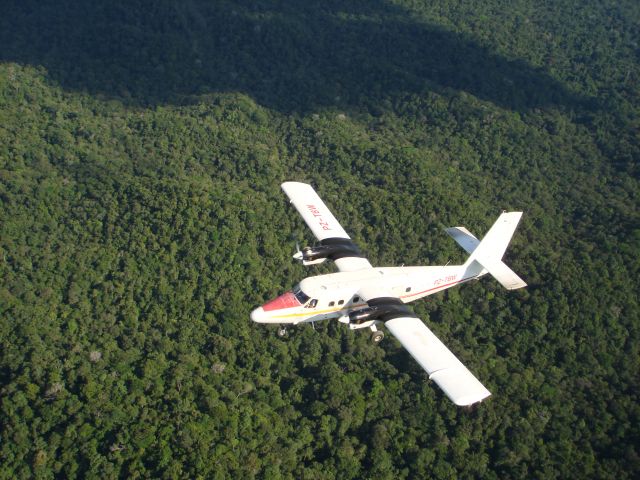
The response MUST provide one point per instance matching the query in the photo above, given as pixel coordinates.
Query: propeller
(298, 254)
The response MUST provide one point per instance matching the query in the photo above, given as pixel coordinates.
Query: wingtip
(292, 183)
(516, 285)
(511, 214)
(469, 400)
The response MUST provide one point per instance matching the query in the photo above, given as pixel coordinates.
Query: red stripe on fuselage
(436, 288)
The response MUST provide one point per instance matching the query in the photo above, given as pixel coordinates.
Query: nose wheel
(282, 331)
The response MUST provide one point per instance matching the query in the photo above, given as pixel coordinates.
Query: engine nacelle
(382, 309)
(364, 315)
(313, 262)
(311, 255)
(332, 248)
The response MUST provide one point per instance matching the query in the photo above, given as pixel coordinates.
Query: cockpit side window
(300, 295)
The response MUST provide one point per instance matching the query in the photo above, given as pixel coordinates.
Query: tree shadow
(288, 56)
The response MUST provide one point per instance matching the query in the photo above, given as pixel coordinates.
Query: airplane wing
(322, 222)
(457, 382)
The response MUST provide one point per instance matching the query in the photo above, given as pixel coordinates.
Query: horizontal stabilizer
(464, 238)
(503, 274)
(455, 380)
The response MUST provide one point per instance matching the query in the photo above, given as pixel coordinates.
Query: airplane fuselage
(335, 295)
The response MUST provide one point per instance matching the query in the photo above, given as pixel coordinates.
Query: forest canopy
(142, 146)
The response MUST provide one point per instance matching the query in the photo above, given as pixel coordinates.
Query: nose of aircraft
(258, 315)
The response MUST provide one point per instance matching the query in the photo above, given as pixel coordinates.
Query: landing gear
(376, 337)
(282, 331)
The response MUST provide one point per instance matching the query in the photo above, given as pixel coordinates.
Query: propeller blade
(298, 254)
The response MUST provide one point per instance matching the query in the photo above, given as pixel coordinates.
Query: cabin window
(300, 295)
(356, 299)
(408, 289)
(331, 304)
(340, 302)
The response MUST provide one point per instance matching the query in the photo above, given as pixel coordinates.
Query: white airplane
(363, 296)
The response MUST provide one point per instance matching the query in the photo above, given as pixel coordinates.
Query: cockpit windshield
(300, 295)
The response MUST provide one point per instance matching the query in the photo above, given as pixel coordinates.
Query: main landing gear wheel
(376, 337)
(282, 331)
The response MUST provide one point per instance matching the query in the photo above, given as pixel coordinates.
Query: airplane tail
(487, 254)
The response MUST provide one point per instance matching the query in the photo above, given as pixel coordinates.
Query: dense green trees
(141, 151)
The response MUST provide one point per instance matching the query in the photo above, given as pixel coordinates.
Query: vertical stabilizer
(495, 242)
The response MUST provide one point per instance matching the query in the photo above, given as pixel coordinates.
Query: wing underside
(322, 223)
(457, 382)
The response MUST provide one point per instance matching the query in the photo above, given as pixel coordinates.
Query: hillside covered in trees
(142, 145)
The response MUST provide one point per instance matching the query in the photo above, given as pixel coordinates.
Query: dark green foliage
(141, 151)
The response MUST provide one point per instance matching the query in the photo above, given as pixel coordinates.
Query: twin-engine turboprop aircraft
(363, 296)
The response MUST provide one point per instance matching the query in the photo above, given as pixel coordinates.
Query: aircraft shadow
(294, 57)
